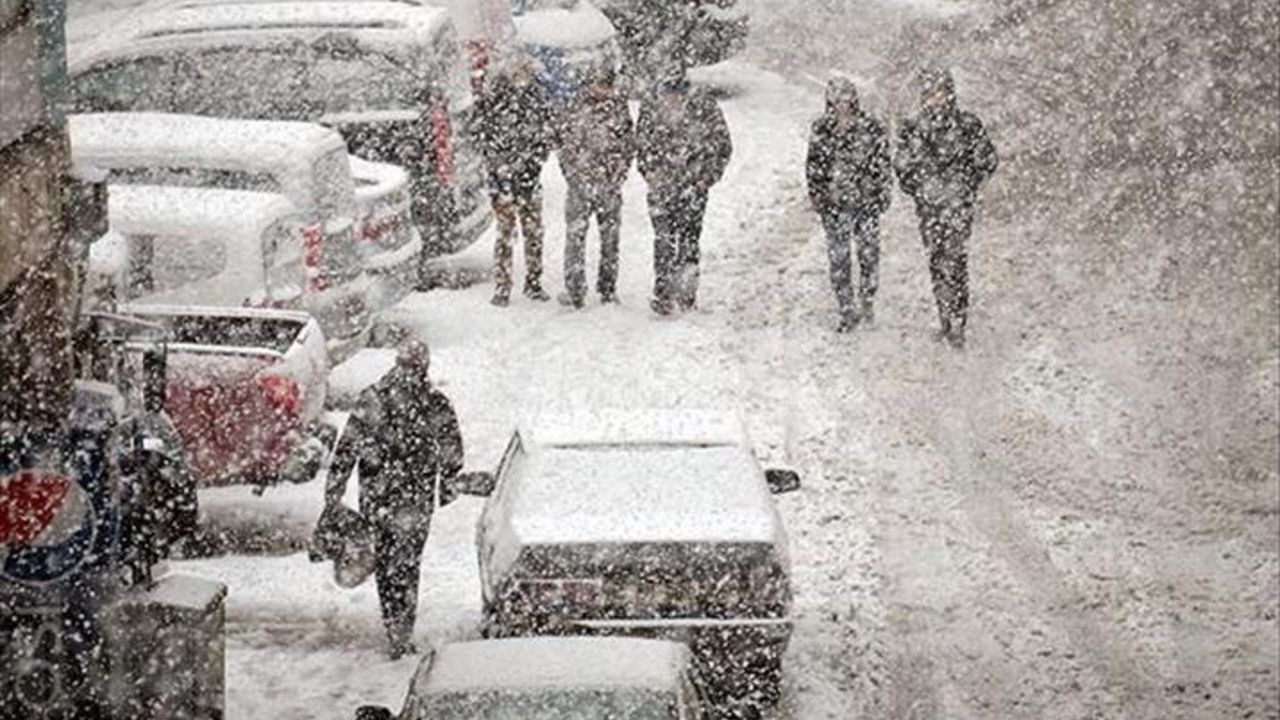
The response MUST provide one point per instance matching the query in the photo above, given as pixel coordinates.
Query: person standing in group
(404, 439)
(943, 157)
(513, 129)
(847, 169)
(683, 148)
(596, 144)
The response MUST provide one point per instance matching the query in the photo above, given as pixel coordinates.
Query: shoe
(688, 303)
(609, 298)
(570, 300)
(400, 649)
(501, 298)
(868, 313)
(661, 307)
(848, 322)
(956, 338)
(534, 291)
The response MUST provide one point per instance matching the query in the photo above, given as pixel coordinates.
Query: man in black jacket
(404, 439)
(848, 174)
(513, 129)
(683, 148)
(596, 144)
(943, 158)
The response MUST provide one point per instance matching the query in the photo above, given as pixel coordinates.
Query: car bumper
(730, 634)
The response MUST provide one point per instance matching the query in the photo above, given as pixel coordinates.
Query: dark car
(650, 524)
(388, 76)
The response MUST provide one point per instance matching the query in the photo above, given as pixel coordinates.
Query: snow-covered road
(1022, 530)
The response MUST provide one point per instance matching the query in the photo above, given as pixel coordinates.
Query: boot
(868, 313)
(533, 290)
(571, 300)
(661, 306)
(501, 297)
(848, 321)
(608, 297)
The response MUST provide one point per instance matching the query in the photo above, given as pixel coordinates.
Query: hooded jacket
(847, 167)
(944, 155)
(684, 145)
(596, 141)
(514, 133)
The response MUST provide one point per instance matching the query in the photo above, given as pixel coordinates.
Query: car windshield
(585, 704)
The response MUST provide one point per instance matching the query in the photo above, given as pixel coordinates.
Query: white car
(553, 679)
(388, 76)
(648, 523)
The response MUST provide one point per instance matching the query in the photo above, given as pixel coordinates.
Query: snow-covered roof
(237, 217)
(187, 24)
(582, 26)
(634, 427)
(640, 477)
(548, 663)
(132, 139)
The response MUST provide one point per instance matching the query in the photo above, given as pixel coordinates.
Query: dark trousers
(399, 561)
(945, 231)
(845, 229)
(582, 204)
(677, 228)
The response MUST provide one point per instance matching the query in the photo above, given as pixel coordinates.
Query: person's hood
(937, 79)
(841, 88)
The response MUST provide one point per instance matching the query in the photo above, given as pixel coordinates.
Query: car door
(493, 514)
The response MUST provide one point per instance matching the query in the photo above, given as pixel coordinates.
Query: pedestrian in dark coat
(943, 158)
(683, 148)
(596, 144)
(405, 441)
(848, 174)
(514, 131)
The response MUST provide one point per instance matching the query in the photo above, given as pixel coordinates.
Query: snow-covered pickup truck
(389, 239)
(245, 388)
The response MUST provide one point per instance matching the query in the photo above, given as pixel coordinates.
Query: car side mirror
(374, 712)
(782, 480)
(477, 482)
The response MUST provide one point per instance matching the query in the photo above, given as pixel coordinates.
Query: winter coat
(514, 132)
(848, 167)
(683, 147)
(404, 437)
(943, 158)
(596, 142)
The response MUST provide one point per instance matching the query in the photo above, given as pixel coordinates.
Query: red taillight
(441, 141)
(312, 257)
(281, 391)
(478, 50)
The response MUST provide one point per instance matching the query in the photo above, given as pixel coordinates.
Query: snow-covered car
(688, 33)
(306, 163)
(245, 388)
(649, 523)
(231, 248)
(553, 679)
(388, 76)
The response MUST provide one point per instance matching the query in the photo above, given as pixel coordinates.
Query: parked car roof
(691, 478)
(150, 136)
(577, 26)
(192, 23)
(198, 211)
(557, 662)
(634, 427)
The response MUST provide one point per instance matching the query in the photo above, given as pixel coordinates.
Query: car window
(246, 82)
(144, 83)
(365, 81)
(179, 176)
(160, 263)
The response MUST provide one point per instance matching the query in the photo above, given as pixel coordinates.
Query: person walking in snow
(848, 173)
(596, 144)
(683, 147)
(515, 135)
(404, 439)
(943, 157)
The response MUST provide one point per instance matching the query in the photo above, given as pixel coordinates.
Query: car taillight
(441, 141)
(281, 391)
(312, 258)
(30, 502)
